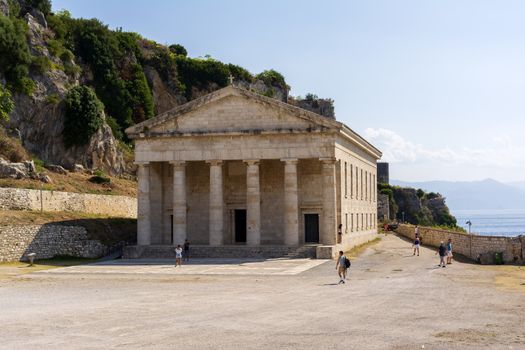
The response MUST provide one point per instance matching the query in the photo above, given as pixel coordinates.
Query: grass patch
(357, 250)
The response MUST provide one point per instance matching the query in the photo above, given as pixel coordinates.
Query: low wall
(47, 241)
(36, 200)
(475, 247)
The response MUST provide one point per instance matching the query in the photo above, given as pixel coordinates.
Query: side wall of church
(357, 194)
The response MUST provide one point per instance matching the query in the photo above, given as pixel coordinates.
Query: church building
(241, 171)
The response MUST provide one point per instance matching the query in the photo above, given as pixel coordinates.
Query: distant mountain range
(474, 195)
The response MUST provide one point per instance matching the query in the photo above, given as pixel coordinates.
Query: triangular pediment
(232, 110)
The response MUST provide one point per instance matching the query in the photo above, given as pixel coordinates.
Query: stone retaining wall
(475, 247)
(47, 241)
(36, 200)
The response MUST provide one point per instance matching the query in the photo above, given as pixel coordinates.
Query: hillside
(475, 195)
(70, 87)
(417, 207)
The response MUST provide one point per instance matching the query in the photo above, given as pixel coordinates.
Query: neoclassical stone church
(237, 170)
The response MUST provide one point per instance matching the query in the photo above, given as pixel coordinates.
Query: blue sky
(438, 86)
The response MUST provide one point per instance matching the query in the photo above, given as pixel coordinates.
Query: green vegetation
(272, 78)
(83, 116)
(14, 54)
(113, 62)
(26, 6)
(177, 49)
(6, 104)
(114, 58)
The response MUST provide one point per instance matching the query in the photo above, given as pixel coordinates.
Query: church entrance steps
(227, 251)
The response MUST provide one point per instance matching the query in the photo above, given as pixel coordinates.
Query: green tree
(272, 78)
(178, 49)
(84, 116)
(14, 54)
(141, 97)
(43, 6)
(6, 103)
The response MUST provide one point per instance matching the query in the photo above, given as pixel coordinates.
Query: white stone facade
(234, 167)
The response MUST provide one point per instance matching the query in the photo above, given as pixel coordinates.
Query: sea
(508, 223)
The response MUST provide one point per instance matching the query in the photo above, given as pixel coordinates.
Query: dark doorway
(171, 234)
(311, 228)
(240, 225)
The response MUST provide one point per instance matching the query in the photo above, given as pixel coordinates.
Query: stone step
(232, 251)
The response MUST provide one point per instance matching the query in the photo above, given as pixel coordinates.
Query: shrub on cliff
(83, 116)
(272, 78)
(6, 104)
(14, 54)
(178, 50)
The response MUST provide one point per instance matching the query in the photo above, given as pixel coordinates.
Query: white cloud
(499, 152)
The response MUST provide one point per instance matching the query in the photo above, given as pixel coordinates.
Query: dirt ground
(392, 300)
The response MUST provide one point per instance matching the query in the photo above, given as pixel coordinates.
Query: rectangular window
(366, 185)
(374, 187)
(362, 222)
(357, 222)
(361, 190)
(346, 222)
(370, 186)
(356, 182)
(351, 180)
(346, 181)
(352, 222)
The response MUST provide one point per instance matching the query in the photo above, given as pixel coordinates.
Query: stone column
(179, 202)
(329, 229)
(291, 205)
(143, 203)
(253, 204)
(216, 228)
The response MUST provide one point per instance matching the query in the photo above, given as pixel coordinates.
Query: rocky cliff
(417, 207)
(135, 78)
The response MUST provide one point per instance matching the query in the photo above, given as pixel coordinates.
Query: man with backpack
(341, 266)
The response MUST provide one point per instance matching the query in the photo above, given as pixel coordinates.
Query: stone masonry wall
(36, 200)
(47, 241)
(472, 246)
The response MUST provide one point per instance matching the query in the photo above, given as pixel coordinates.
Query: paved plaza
(271, 267)
(392, 300)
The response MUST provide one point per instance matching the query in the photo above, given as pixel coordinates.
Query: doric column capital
(328, 160)
(290, 160)
(215, 162)
(251, 161)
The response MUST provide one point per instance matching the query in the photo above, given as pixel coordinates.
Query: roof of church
(232, 90)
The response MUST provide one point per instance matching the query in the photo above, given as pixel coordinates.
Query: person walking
(442, 251)
(186, 250)
(449, 251)
(417, 243)
(341, 266)
(416, 231)
(178, 256)
(340, 233)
